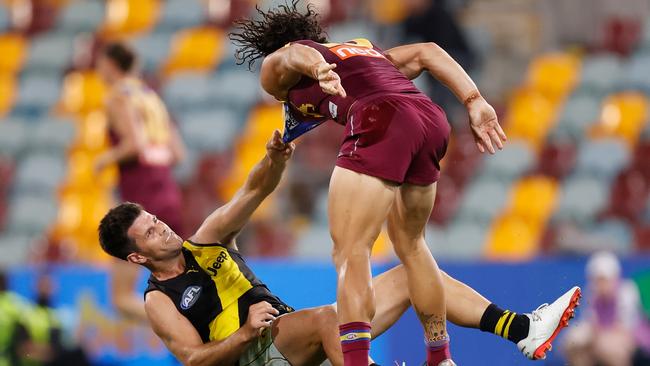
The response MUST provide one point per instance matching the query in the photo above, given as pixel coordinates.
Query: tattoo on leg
(435, 327)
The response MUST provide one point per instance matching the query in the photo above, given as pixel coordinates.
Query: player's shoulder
(154, 298)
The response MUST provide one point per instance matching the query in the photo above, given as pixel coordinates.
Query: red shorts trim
(396, 137)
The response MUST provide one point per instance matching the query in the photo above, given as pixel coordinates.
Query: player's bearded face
(154, 239)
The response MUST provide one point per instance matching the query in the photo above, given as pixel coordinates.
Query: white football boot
(447, 362)
(546, 323)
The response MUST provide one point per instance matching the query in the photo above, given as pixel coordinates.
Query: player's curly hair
(274, 29)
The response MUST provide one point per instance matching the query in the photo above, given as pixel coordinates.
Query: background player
(389, 161)
(209, 307)
(145, 146)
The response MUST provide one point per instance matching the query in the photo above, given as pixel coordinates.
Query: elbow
(430, 50)
(429, 56)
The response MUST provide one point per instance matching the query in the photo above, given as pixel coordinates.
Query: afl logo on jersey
(190, 295)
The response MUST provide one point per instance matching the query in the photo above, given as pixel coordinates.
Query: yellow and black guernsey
(215, 290)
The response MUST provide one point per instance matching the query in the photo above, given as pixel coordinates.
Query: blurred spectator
(606, 333)
(433, 21)
(10, 312)
(38, 336)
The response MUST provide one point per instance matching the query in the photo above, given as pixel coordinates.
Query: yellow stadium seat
(83, 92)
(250, 148)
(529, 116)
(388, 11)
(512, 238)
(198, 49)
(534, 198)
(81, 174)
(93, 132)
(13, 54)
(554, 75)
(382, 250)
(623, 115)
(70, 213)
(7, 92)
(127, 17)
(80, 213)
(516, 234)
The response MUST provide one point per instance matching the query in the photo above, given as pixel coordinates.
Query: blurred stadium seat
(601, 159)
(81, 16)
(601, 73)
(197, 49)
(50, 52)
(178, 14)
(14, 52)
(82, 92)
(582, 199)
(13, 137)
(129, 17)
(36, 94)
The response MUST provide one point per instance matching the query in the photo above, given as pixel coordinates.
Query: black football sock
(504, 323)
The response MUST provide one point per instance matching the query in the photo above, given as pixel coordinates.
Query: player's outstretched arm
(413, 59)
(182, 339)
(226, 222)
(282, 69)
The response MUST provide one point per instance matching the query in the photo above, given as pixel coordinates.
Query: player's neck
(170, 268)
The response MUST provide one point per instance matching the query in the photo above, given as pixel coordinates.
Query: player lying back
(209, 308)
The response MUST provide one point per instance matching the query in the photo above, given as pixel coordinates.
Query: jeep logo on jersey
(190, 295)
(345, 51)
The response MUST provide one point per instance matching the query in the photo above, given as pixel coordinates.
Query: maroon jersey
(148, 178)
(392, 130)
(364, 70)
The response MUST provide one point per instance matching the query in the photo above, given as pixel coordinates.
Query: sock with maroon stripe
(438, 351)
(355, 343)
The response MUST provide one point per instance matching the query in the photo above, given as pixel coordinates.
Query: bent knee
(327, 316)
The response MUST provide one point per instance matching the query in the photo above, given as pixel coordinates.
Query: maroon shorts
(396, 137)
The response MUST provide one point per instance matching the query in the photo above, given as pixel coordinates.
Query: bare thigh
(309, 336)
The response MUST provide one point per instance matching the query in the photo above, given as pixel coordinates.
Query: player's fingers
(480, 147)
(277, 139)
(501, 133)
(496, 139)
(329, 76)
(266, 324)
(487, 142)
(333, 90)
(268, 317)
(342, 91)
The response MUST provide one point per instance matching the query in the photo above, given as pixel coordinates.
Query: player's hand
(485, 126)
(277, 150)
(260, 316)
(328, 80)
